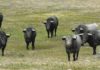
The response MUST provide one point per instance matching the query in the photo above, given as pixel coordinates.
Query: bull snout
(68, 43)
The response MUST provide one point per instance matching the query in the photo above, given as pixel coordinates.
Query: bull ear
(74, 37)
(81, 34)
(89, 34)
(8, 35)
(24, 30)
(33, 30)
(73, 30)
(44, 22)
(64, 38)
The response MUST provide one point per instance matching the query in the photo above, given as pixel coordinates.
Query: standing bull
(1, 19)
(72, 45)
(94, 40)
(51, 24)
(85, 29)
(29, 35)
(3, 41)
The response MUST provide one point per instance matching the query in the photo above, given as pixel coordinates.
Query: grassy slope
(50, 53)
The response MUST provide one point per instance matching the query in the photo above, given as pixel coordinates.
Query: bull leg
(68, 56)
(94, 50)
(27, 46)
(3, 51)
(74, 57)
(51, 34)
(55, 31)
(77, 55)
(33, 47)
(0, 25)
(48, 33)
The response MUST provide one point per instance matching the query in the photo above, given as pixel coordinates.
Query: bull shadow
(48, 43)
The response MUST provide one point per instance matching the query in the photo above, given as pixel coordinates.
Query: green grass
(49, 53)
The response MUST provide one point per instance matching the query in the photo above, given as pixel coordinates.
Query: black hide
(51, 25)
(30, 35)
(3, 41)
(1, 19)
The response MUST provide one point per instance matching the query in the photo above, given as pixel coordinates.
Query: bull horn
(81, 34)
(44, 22)
(33, 30)
(81, 28)
(64, 37)
(73, 29)
(95, 24)
(89, 34)
(74, 37)
(24, 30)
(51, 21)
(8, 35)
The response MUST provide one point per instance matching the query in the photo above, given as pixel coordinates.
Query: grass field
(49, 53)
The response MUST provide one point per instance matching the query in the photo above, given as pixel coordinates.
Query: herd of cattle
(51, 25)
(83, 33)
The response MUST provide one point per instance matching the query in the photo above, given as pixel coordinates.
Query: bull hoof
(94, 53)
(27, 48)
(82, 44)
(33, 48)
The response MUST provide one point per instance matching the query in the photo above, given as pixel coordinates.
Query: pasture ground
(49, 53)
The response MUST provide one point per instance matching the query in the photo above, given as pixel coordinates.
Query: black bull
(3, 41)
(30, 35)
(1, 19)
(72, 45)
(88, 32)
(94, 40)
(51, 25)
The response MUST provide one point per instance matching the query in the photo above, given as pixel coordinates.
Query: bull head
(81, 30)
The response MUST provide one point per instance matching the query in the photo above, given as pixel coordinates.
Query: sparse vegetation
(50, 53)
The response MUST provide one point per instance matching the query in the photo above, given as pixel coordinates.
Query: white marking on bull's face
(68, 41)
(47, 26)
(28, 34)
(51, 21)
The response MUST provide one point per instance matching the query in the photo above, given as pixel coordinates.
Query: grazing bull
(3, 41)
(1, 19)
(72, 45)
(29, 35)
(51, 24)
(85, 29)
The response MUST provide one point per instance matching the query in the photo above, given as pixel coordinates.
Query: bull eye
(81, 31)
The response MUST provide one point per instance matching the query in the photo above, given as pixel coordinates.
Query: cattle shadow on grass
(44, 47)
(97, 55)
